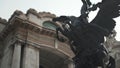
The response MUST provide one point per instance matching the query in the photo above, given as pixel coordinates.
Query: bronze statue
(87, 38)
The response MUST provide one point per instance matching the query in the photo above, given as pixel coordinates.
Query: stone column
(7, 57)
(16, 56)
(30, 57)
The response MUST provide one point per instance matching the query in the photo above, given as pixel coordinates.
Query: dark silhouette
(86, 38)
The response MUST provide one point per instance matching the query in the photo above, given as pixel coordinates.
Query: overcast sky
(57, 7)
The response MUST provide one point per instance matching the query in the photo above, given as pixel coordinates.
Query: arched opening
(48, 59)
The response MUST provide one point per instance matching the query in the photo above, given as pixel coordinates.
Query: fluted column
(16, 56)
(30, 57)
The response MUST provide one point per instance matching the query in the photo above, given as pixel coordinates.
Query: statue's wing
(109, 9)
